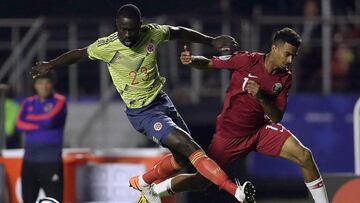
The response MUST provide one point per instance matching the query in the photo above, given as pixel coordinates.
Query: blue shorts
(157, 119)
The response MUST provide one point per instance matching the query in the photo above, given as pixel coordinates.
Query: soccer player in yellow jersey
(130, 54)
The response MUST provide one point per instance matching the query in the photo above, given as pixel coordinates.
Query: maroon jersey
(242, 114)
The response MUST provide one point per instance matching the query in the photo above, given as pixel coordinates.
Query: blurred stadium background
(100, 142)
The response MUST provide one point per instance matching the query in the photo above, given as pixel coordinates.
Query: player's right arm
(199, 62)
(73, 56)
(236, 61)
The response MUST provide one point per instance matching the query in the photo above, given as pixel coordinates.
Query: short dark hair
(129, 11)
(287, 35)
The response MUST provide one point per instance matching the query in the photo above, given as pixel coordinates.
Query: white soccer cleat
(47, 200)
(148, 191)
(245, 193)
(150, 194)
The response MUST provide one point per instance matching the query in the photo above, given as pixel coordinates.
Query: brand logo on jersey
(157, 126)
(55, 178)
(48, 107)
(30, 109)
(150, 48)
(252, 76)
(225, 57)
(277, 88)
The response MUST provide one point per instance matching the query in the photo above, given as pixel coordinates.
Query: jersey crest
(277, 88)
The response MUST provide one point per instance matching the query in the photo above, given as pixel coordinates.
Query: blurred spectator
(11, 111)
(354, 72)
(42, 119)
(342, 58)
(310, 58)
(353, 75)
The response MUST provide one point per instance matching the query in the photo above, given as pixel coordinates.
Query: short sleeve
(95, 50)
(236, 61)
(161, 32)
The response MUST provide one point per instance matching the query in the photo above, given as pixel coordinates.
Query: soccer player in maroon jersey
(254, 105)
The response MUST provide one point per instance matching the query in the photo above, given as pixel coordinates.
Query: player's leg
(154, 122)
(208, 169)
(196, 182)
(169, 165)
(276, 140)
(181, 142)
(222, 150)
(51, 180)
(30, 185)
(165, 168)
(295, 151)
(182, 183)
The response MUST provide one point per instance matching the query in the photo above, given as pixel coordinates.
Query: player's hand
(40, 68)
(185, 56)
(223, 43)
(252, 88)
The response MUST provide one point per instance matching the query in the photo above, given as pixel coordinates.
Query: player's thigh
(180, 142)
(158, 128)
(226, 150)
(271, 139)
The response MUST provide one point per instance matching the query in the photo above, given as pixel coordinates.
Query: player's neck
(42, 98)
(269, 65)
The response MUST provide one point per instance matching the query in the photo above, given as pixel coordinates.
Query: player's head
(44, 84)
(284, 47)
(128, 23)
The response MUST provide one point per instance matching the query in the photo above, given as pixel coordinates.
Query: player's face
(43, 87)
(284, 54)
(128, 30)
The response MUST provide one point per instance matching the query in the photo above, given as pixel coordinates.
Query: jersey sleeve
(95, 50)
(21, 123)
(160, 32)
(282, 98)
(53, 119)
(236, 61)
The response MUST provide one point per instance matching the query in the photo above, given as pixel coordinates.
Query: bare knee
(305, 158)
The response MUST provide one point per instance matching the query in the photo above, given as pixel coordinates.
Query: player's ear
(273, 47)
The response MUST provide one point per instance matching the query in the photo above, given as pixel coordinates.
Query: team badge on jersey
(48, 107)
(150, 48)
(157, 126)
(277, 88)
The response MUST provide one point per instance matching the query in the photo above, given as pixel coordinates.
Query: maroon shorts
(267, 140)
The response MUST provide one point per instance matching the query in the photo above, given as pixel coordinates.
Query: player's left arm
(221, 43)
(271, 110)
